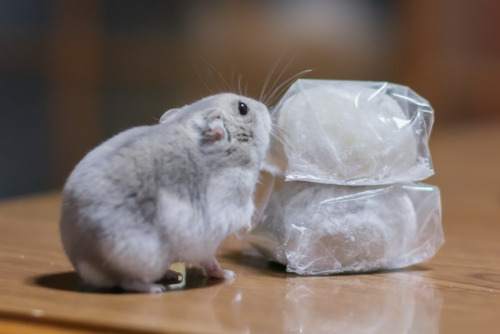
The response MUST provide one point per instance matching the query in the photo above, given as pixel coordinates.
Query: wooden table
(458, 291)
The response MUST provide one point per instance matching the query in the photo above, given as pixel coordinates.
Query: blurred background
(73, 73)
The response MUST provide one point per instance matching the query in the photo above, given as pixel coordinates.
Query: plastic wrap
(352, 133)
(361, 147)
(317, 229)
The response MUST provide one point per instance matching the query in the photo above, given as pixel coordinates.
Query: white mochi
(318, 229)
(352, 133)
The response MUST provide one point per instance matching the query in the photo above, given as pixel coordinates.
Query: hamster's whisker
(236, 83)
(210, 88)
(281, 88)
(232, 81)
(277, 133)
(240, 92)
(268, 78)
(272, 111)
(263, 96)
(226, 85)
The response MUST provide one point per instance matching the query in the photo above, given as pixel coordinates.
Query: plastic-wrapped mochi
(317, 229)
(352, 133)
(360, 146)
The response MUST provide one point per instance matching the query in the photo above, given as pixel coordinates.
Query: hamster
(170, 192)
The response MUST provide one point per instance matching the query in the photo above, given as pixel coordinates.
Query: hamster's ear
(168, 114)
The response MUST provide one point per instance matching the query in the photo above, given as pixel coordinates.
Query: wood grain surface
(458, 291)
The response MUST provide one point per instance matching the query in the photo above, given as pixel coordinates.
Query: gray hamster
(170, 192)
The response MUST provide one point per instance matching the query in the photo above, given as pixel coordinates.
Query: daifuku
(319, 229)
(352, 133)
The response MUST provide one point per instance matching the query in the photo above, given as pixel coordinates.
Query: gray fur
(169, 192)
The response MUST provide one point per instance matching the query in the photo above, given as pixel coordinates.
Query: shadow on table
(70, 281)
(252, 260)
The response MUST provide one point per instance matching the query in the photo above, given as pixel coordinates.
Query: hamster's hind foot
(211, 268)
(143, 287)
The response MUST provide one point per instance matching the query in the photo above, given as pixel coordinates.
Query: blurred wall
(73, 73)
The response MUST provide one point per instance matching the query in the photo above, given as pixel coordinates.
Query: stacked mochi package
(343, 191)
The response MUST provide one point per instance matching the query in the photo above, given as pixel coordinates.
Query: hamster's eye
(242, 108)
